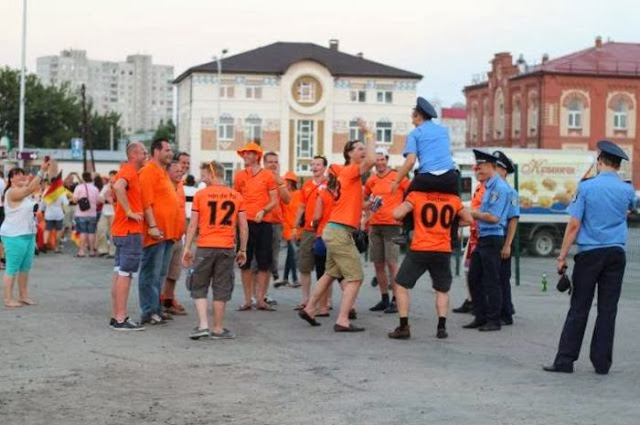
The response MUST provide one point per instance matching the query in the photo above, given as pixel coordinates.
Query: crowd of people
(149, 215)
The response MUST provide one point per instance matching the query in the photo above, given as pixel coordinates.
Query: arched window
(225, 127)
(474, 122)
(574, 113)
(384, 133)
(620, 114)
(498, 114)
(253, 128)
(485, 120)
(355, 132)
(516, 118)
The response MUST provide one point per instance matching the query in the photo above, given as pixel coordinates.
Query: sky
(448, 42)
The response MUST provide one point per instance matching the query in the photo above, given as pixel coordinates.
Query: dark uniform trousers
(484, 279)
(604, 267)
(505, 285)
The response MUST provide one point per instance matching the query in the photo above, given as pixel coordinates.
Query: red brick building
(566, 103)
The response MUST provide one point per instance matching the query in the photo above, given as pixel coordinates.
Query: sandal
(12, 304)
(244, 307)
(310, 320)
(327, 314)
(28, 301)
(265, 307)
(350, 328)
(300, 307)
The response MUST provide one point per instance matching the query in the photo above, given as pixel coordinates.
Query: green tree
(100, 126)
(166, 131)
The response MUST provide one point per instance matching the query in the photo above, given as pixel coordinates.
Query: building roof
(276, 58)
(453, 113)
(610, 58)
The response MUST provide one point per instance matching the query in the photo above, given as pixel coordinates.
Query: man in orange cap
(289, 217)
(259, 189)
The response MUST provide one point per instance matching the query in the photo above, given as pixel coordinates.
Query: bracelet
(153, 227)
(242, 250)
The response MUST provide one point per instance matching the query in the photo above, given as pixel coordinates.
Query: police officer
(484, 270)
(599, 220)
(505, 167)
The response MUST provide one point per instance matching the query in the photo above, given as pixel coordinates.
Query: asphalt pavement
(61, 364)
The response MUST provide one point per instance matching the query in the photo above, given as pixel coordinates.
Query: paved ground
(62, 365)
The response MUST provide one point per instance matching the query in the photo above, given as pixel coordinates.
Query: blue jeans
(153, 269)
(290, 262)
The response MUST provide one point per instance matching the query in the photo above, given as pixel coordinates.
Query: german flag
(55, 190)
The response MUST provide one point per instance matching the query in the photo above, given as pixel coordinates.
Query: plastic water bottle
(544, 282)
(189, 280)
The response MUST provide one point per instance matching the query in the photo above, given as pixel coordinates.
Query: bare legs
(23, 294)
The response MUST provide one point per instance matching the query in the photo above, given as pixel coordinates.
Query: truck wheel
(543, 244)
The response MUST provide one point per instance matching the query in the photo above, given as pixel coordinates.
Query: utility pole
(85, 127)
(218, 60)
(22, 83)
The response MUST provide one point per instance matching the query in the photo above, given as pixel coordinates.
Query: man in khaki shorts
(307, 233)
(381, 203)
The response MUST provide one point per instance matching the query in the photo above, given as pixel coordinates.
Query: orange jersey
(347, 209)
(217, 207)
(309, 198)
(327, 205)
(182, 206)
(289, 214)
(380, 186)
(276, 215)
(254, 189)
(159, 194)
(476, 201)
(123, 225)
(433, 215)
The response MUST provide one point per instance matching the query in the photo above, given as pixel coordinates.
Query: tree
(166, 131)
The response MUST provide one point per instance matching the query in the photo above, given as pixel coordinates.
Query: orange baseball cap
(290, 175)
(251, 147)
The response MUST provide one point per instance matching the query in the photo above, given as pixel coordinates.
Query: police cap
(425, 107)
(611, 149)
(482, 157)
(503, 161)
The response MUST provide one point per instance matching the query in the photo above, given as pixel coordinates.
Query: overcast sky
(446, 41)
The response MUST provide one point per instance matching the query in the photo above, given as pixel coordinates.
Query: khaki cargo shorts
(306, 259)
(382, 246)
(343, 258)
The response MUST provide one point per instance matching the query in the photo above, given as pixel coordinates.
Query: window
(620, 112)
(254, 92)
(253, 128)
(306, 92)
(355, 132)
(304, 140)
(226, 91)
(384, 96)
(574, 116)
(383, 132)
(358, 96)
(225, 128)
(228, 173)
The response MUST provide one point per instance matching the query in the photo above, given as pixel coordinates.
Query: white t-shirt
(107, 201)
(55, 210)
(189, 192)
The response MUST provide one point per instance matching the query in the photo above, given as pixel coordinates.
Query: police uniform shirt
(601, 205)
(497, 202)
(514, 204)
(430, 143)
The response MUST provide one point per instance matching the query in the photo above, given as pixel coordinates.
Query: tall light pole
(22, 83)
(218, 60)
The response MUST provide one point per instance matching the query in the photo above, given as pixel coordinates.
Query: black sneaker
(154, 319)
(165, 316)
(127, 325)
(270, 300)
(400, 333)
(198, 333)
(466, 307)
(112, 322)
(392, 308)
(381, 306)
(441, 333)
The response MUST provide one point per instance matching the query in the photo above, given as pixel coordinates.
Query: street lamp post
(22, 83)
(218, 60)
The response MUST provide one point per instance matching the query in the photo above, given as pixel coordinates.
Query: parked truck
(546, 181)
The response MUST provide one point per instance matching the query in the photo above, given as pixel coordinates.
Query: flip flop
(266, 308)
(12, 305)
(28, 302)
(244, 308)
(310, 320)
(300, 307)
(350, 328)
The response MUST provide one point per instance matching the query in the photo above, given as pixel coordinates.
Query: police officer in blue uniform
(484, 270)
(505, 167)
(598, 222)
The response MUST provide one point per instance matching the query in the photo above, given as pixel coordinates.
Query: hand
(363, 126)
(154, 233)
(187, 258)
(561, 266)
(44, 167)
(260, 216)
(135, 217)
(506, 252)
(241, 258)
(53, 168)
(294, 233)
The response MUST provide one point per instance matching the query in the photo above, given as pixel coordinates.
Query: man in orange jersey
(216, 212)
(430, 250)
(181, 168)
(170, 305)
(126, 232)
(382, 202)
(306, 232)
(275, 216)
(259, 190)
(289, 212)
(161, 211)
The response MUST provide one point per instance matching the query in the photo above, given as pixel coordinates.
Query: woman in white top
(18, 231)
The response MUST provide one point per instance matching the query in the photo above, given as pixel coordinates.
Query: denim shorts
(128, 253)
(53, 225)
(86, 225)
